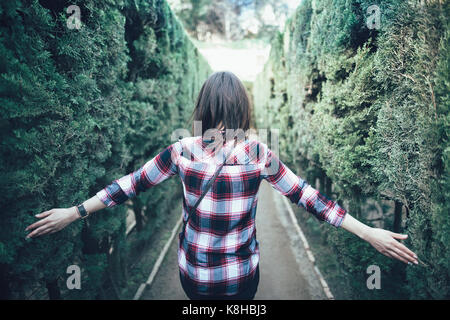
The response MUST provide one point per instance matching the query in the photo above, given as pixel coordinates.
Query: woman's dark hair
(223, 100)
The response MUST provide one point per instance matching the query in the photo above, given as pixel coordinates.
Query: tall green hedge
(79, 108)
(365, 112)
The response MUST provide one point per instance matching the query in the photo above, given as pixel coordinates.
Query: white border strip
(159, 261)
(311, 258)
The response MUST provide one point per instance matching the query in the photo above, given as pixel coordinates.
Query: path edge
(159, 261)
(307, 248)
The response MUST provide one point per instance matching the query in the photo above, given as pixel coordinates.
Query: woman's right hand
(52, 221)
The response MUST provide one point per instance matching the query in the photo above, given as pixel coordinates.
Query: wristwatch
(82, 211)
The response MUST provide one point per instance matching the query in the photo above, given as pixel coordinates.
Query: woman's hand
(385, 242)
(52, 221)
(382, 240)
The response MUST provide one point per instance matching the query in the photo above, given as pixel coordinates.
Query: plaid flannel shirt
(219, 253)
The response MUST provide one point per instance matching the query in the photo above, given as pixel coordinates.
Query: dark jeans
(247, 294)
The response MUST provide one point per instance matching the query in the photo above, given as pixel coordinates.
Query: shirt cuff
(105, 198)
(337, 216)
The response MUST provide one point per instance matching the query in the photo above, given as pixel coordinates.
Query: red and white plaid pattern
(219, 253)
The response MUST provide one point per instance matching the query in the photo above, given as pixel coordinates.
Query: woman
(218, 254)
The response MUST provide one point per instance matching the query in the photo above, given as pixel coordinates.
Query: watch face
(83, 212)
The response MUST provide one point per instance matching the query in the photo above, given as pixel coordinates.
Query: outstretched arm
(302, 194)
(152, 173)
(57, 219)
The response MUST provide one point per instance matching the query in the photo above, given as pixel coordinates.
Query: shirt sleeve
(300, 192)
(158, 169)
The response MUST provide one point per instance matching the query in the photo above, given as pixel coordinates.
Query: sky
(245, 63)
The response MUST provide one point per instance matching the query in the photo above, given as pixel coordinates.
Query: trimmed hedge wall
(365, 113)
(79, 108)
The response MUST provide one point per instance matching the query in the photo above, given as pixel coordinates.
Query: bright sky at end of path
(245, 63)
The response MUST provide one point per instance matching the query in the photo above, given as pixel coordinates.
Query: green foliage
(80, 108)
(365, 113)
